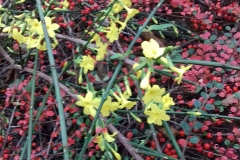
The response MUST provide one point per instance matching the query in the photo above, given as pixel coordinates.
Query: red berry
(199, 148)
(210, 154)
(218, 122)
(74, 121)
(83, 19)
(179, 97)
(162, 140)
(206, 146)
(219, 139)
(169, 146)
(173, 151)
(129, 135)
(160, 135)
(153, 145)
(9, 138)
(181, 133)
(209, 135)
(219, 28)
(153, 80)
(235, 88)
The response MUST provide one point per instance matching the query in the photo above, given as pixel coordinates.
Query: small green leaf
(227, 142)
(218, 102)
(204, 95)
(227, 28)
(238, 49)
(236, 146)
(227, 34)
(197, 125)
(198, 89)
(194, 139)
(213, 37)
(93, 158)
(117, 55)
(209, 85)
(160, 27)
(135, 131)
(75, 115)
(79, 121)
(191, 51)
(221, 42)
(219, 86)
(221, 108)
(209, 107)
(197, 104)
(213, 94)
(237, 95)
(185, 126)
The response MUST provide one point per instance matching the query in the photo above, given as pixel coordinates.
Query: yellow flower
(139, 73)
(7, 29)
(167, 101)
(151, 49)
(112, 35)
(180, 71)
(50, 27)
(109, 106)
(97, 39)
(116, 155)
(126, 103)
(145, 81)
(123, 100)
(19, 37)
(101, 51)
(89, 103)
(131, 13)
(123, 25)
(43, 46)
(105, 136)
(87, 63)
(153, 93)
(127, 3)
(34, 23)
(32, 43)
(117, 7)
(65, 5)
(156, 115)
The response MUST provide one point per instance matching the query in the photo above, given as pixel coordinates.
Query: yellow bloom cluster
(112, 32)
(31, 32)
(102, 141)
(90, 104)
(152, 50)
(157, 104)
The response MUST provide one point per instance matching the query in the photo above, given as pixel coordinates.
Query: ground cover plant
(119, 79)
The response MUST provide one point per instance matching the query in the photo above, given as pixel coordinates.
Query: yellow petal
(145, 82)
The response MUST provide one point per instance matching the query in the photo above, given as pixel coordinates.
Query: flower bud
(145, 81)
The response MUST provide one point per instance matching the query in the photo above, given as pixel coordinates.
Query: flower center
(154, 51)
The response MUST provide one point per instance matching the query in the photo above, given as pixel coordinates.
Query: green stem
(35, 121)
(206, 63)
(149, 151)
(172, 138)
(30, 124)
(155, 154)
(55, 83)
